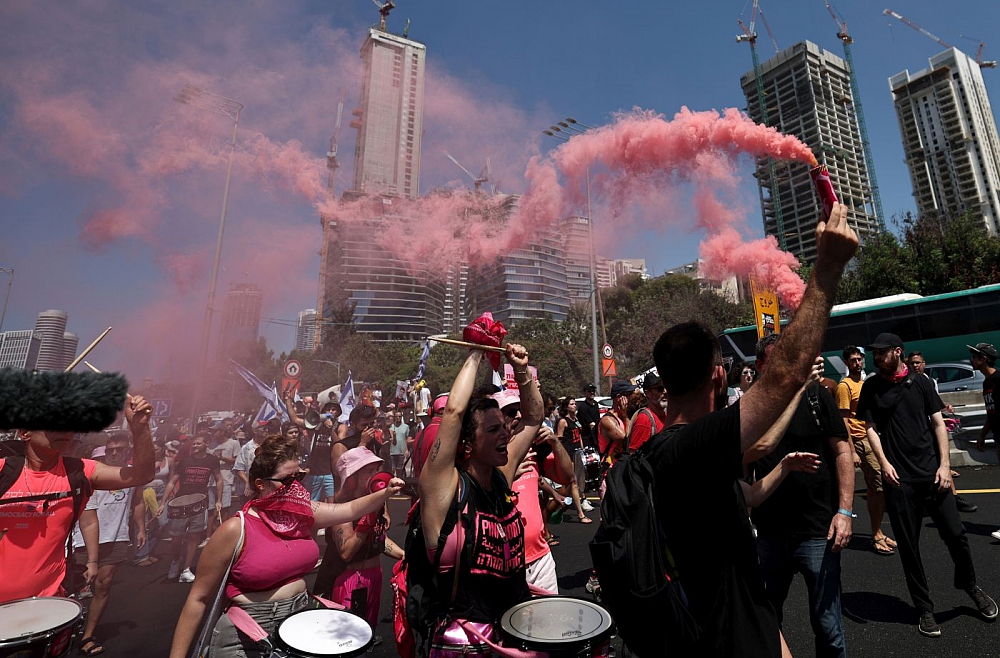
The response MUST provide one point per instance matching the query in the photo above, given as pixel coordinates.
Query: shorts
(191, 525)
(870, 467)
(542, 573)
(321, 486)
(227, 496)
(397, 462)
(113, 552)
(230, 642)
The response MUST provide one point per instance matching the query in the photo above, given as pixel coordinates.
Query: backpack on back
(639, 585)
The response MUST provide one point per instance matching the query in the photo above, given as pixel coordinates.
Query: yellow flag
(765, 309)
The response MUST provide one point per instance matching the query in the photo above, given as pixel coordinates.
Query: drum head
(184, 501)
(556, 622)
(35, 617)
(325, 632)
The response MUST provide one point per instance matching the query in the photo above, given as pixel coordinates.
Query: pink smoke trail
(643, 149)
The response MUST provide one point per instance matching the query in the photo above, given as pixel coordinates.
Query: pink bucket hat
(353, 461)
(507, 397)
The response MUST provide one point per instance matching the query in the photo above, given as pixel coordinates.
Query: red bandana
(287, 511)
(895, 378)
(484, 330)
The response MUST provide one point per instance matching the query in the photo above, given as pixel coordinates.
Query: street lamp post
(559, 132)
(10, 272)
(332, 363)
(206, 100)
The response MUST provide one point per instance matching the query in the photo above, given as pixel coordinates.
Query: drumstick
(474, 346)
(83, 354)
(91, 366)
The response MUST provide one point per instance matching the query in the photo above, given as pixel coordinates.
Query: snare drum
(323, 632)
(591, 467)
(39, 627)
(184, 507)
(561, 626)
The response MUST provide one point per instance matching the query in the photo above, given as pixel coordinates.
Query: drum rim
(607, 629)
(175, 499)
(48, 633)
(301, 653)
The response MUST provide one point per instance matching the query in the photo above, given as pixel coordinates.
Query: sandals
(551, 540)
(585, 520)
(148, 562)
(889, 541)
(96, 648)
(881, 546)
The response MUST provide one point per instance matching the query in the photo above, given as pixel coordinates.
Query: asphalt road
(878, 616)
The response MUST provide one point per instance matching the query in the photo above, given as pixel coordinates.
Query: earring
(467, 451)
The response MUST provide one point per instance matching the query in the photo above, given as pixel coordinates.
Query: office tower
(808, 94)
(240, 320)
(456, 298)
(70, 342)
(366, 284)
(19, 349)
(576, 244)
(51, 325)
(606, 272)
(390, 119)
(305, 330)
(950, 138)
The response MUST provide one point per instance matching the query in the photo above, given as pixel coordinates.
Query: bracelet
(847, 512)
(91, 561)
(520, 372)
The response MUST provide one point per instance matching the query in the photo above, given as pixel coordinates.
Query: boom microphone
(60, 401)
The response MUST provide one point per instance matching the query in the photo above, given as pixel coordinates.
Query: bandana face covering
(895, 378)
(287, 511)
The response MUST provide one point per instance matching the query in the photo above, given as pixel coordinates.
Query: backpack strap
(11, 470)
(652, 428)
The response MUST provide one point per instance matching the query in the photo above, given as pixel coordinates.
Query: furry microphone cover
(60, 401)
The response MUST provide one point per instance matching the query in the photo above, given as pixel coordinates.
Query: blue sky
(499, 73)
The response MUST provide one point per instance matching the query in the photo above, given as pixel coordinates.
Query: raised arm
(143, 466)
(806, 462)
(439, 477)
(331, 514)
(532, 410)
(774, 433)
(792, 356)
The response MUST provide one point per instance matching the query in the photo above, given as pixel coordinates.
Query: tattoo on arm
(315, 506)
(436, 449)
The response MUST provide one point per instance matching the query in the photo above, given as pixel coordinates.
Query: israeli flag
(347, 398)
(423, 361)
(269, 393)
(265, 414)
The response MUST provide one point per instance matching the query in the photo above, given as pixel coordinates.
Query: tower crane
(332, 164)
(383, 9)
(907, 21)
(477, 181)
(750, 36)
(859, 113)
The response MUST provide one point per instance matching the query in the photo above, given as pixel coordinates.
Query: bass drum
(39, 627)
(591, 468)
(322, 632)
(561, 626)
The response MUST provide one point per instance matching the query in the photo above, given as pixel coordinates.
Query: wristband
(91, 561)
(847, 512)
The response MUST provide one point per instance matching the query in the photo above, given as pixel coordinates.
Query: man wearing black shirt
(916, 464)
(712, 542)
(588, 413)
(190, 476)
(984, 359)
(806, 522)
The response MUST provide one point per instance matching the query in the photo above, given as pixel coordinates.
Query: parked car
(605, 403)
(957, 376)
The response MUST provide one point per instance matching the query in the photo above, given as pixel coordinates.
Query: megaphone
(378, 482)
(314, 419)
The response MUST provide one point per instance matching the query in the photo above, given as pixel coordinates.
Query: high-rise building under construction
(950, 138)
(807, 93)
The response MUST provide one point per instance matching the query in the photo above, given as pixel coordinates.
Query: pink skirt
(349, 581)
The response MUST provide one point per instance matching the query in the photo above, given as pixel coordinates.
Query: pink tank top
(268, 561)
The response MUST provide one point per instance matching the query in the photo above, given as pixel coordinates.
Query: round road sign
(607, 351)
(293, 369)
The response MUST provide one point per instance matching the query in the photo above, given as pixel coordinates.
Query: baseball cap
(622, 388)
(99, 451)
(507, 397)
(886, 340)
(651, 380)
(984, 349)
(354, 460)
(590, 387)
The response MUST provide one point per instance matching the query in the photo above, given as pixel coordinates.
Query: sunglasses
(111, 450)
(288, 479)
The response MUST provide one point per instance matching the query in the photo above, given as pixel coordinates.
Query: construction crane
(750, 36)
(383, 9)
(332, 164)
(477, 181)
(903, 19)
(859, 113)
(979, 54)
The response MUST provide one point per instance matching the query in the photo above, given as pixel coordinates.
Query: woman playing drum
(266, 580)
(474, 457)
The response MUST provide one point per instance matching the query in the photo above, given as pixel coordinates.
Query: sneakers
(984, 603)
(964, 506)
(995, 534)
(186, 576)
(928, 627)
(204, 542)
(174, 570)
(587, 507)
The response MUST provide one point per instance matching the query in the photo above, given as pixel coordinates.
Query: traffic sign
(608, 368)
(607, 351)
(290, 385)
(161, 407)
(293, 369)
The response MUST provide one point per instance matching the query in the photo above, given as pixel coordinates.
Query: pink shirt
(267, 561)
(32, 552)
(526, 488)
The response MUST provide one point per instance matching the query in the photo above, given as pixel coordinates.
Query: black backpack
(425, 601)
(639, 585)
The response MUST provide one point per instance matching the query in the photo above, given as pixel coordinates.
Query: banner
(765, 310)
(508, 376)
